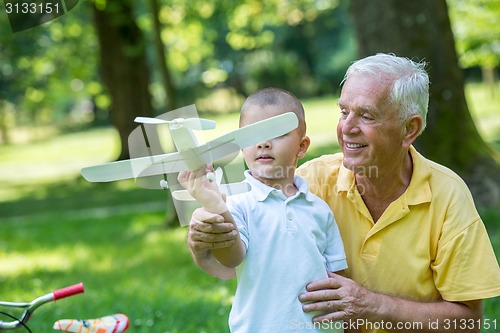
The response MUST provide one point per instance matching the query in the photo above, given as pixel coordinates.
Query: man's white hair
(409, 92)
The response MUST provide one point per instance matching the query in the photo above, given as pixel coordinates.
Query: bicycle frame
(30, 307)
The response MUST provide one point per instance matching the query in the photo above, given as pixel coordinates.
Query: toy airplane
(190, 154)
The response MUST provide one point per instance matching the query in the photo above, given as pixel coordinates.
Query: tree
(124, 69)
(125, 72)
(161, 58)
(421, 30)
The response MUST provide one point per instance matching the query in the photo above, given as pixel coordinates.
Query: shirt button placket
(290, 225)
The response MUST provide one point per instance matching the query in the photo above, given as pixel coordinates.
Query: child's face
(273, 161)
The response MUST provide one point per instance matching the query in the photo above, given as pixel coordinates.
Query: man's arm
(234, 254)
(207, 232)
(344, 299)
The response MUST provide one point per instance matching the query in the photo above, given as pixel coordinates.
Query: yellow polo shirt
(429, 244)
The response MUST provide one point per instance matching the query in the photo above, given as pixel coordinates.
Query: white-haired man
(419, 256)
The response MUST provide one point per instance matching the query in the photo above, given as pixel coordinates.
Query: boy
(287, 236)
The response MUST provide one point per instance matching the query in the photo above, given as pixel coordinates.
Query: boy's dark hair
(277, 97)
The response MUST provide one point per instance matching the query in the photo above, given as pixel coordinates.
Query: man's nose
(350, 124)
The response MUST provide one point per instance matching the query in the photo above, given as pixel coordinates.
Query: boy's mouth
(264, 158)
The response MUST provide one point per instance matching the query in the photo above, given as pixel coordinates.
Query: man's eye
(367, 118)
(343, 113)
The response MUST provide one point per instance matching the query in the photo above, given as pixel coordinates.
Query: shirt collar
(345, 179)
(418, 190)
(261, 191)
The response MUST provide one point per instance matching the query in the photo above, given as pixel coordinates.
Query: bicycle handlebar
(37, 302)
(68, 291)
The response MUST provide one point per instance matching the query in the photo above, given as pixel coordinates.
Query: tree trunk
(166, 76)
(171, 219)
(123, 66)
(421, 30)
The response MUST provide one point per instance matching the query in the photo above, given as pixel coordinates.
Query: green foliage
(484, 102)
(50, 73)
(48, 70)
(476, 25)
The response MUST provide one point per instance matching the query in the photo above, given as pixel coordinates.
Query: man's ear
(305, 142)
(412, 128)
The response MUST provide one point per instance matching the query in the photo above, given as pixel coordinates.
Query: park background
(71, 87)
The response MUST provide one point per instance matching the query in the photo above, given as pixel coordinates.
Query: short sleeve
(239, 217)
(334, 253)
(465, 267)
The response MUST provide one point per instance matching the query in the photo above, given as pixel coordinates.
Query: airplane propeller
(192, 123)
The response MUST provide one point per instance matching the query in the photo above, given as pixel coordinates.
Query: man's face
(369, 132)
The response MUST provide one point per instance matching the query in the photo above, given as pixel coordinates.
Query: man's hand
(208, 231)
(341, 297)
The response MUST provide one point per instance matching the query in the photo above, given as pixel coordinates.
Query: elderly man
(418, 253)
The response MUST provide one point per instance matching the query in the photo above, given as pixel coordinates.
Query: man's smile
(352, 145)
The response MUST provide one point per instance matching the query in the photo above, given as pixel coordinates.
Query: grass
(56, 229)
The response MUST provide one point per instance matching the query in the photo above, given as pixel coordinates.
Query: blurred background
(71, 87)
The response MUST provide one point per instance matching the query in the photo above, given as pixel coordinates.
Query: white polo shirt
(290, 242)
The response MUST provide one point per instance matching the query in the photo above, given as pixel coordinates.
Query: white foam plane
(190, 154)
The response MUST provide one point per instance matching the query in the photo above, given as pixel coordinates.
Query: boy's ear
(304, 145)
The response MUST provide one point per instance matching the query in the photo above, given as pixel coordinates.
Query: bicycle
(117, 323)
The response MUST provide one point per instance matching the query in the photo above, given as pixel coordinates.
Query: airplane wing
(262, 130)
(232, 142)
(191, 159)
(132, 168)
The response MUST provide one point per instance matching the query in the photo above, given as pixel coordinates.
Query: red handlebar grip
(68, 291)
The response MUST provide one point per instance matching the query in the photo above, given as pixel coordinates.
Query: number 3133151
(462, 324)
(32, 8)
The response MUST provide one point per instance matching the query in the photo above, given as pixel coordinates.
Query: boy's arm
(209, 196)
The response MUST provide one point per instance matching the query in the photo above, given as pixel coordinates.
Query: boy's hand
(206, 192)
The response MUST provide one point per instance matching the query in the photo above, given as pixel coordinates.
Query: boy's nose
(264, 145)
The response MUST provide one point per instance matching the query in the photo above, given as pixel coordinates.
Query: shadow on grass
(75, 194)
(128, 263)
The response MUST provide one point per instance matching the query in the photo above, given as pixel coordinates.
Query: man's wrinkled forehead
(365, 87)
